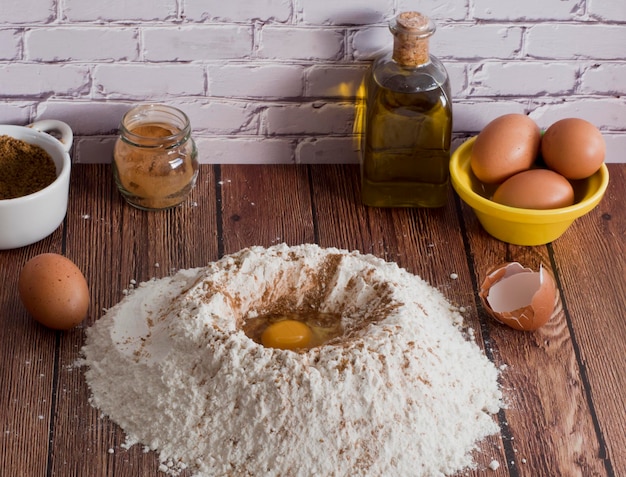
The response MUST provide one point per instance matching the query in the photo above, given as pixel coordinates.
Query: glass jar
(407, 121)
(155, 163)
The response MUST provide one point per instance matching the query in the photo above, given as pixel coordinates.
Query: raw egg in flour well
(286, 334)
(294, 330)
(54, 291)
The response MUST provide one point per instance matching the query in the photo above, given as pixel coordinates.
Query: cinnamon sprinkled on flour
(402, 392)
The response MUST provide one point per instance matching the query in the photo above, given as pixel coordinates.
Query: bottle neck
(410, 52)
(411, 33)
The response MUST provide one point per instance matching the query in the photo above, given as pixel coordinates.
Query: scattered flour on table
(402, 392)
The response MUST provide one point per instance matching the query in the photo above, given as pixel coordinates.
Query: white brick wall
(276, 81)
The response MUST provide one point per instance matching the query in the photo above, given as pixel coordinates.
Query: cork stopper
(411, 31)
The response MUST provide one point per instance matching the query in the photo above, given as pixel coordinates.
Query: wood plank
(102, 240)
(427, 242)
(564, 382)
(126, 244)
(265, 205)
(593, 276)
(547, 407)
(27, 357)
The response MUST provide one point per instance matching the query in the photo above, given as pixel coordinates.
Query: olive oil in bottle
(407, 122)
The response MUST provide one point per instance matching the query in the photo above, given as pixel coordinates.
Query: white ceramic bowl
(28, 219)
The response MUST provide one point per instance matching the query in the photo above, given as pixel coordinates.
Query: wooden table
(564, 384)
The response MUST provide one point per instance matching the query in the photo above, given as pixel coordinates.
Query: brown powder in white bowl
(403, 392)
(24, 168)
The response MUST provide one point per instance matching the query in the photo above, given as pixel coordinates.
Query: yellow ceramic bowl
(522, 226)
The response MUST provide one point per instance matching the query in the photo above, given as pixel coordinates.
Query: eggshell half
(519, 297)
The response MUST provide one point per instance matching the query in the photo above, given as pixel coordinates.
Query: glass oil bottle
(407, 122)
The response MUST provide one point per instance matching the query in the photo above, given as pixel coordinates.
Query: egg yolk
(286, 334)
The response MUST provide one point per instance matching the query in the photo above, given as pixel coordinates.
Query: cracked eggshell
(519, 297)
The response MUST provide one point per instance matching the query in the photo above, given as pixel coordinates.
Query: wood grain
(418, 240)
(563, 384)
(548, 406)
(593, 279)
(265, 206)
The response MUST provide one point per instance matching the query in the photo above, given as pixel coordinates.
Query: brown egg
(535, 189)
(54, 291)
(573, 147)
(507, 145)
(519, 297)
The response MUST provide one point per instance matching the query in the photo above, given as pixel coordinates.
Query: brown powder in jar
(24, 168)
(151, 172)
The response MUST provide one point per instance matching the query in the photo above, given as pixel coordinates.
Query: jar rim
(154, 113)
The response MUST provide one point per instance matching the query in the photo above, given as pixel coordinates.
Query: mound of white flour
(401, 393)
